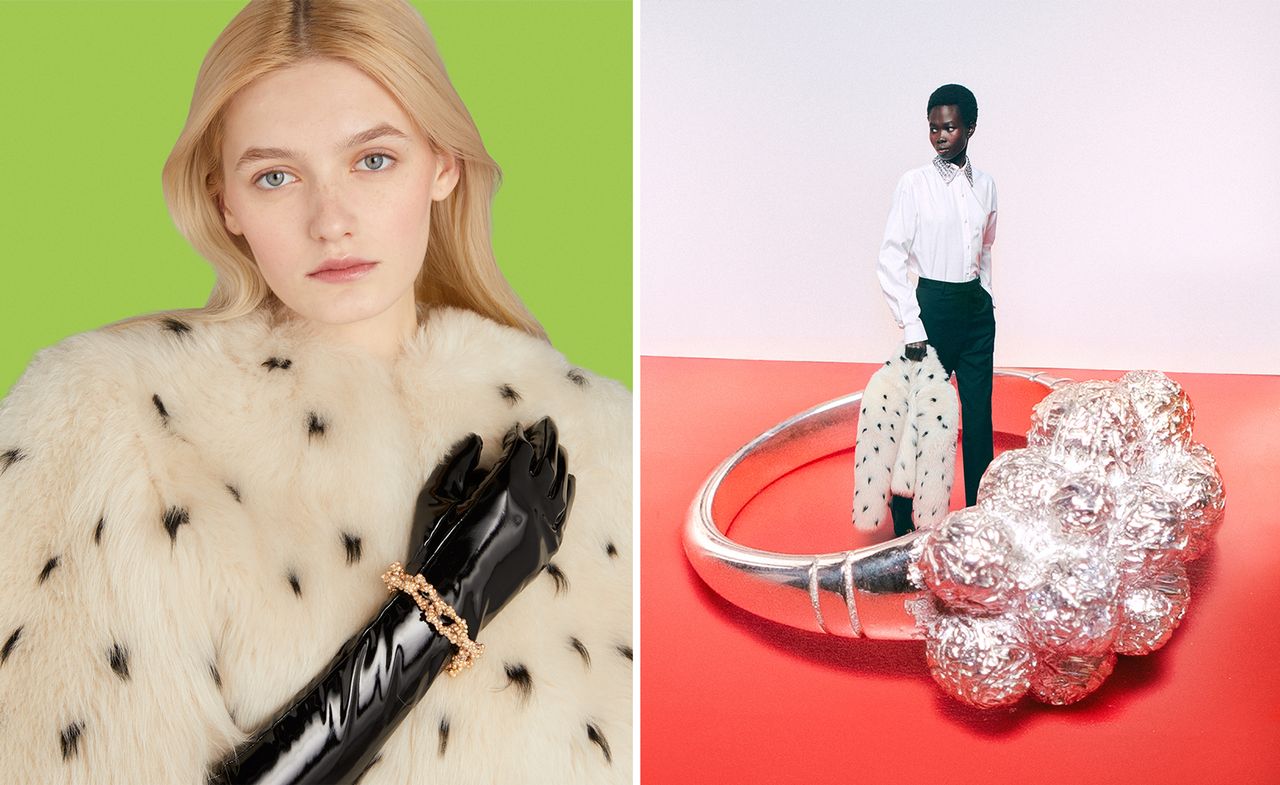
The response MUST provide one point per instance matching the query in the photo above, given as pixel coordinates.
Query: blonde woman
(198, 507)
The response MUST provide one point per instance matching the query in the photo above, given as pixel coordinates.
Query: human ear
(448, 170)
(229, 218)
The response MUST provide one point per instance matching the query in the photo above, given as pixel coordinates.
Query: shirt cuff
(914, 332)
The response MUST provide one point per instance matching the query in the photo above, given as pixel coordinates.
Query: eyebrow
(263, 153)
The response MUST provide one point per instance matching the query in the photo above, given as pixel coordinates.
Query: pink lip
(342, 270)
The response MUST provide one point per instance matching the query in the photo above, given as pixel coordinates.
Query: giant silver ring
(1074, 553)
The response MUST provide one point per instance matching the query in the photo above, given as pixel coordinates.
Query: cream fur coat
(195, 517)
(906, 442)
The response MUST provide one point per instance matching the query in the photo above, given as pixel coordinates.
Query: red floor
(729, 698)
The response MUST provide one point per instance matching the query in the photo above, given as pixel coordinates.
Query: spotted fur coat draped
(906, 444)
(196, 516)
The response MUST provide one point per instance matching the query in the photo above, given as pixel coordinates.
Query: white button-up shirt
(941, 226)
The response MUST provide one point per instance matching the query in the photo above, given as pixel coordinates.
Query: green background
(93, 95)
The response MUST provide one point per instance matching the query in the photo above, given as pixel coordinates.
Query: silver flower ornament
(1076, 549)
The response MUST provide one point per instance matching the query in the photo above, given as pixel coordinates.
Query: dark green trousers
(961, 325)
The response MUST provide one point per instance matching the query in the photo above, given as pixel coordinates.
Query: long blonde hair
(389, 41)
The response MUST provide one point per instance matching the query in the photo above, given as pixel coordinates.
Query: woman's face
(323, 169)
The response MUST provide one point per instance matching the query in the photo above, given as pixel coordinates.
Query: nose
(331, 217)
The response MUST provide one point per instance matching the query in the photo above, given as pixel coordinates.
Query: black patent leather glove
(915, 351)
(487, 535)
(523, 484)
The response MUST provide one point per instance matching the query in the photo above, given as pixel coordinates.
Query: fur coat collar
(906, 444)
(195, 517)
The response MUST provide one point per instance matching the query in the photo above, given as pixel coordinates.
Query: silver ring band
(1075, 552)
(861, 592)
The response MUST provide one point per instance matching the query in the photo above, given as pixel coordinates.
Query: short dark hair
(960, 97)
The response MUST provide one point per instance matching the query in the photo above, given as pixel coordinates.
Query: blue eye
(273, 179)
(382, 158)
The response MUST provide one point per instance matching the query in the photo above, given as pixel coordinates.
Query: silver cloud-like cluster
(1076, 549)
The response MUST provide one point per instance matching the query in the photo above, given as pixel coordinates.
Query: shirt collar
(949, 170)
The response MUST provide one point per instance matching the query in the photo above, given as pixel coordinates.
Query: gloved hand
(915, 351)
(473, 529)
(452, 483)
(483, 542)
